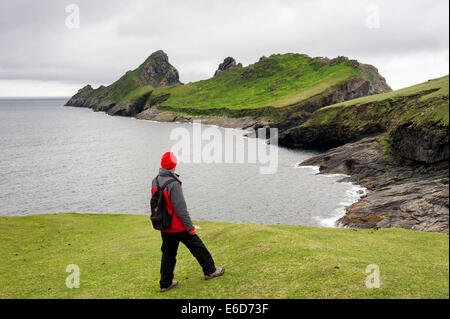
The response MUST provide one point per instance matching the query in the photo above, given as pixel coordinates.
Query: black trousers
(169, 248)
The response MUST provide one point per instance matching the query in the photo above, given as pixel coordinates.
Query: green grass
(136, 93)
(276, 81)
(385, 146)
(119, 257)
(422, 103)
(129, 87)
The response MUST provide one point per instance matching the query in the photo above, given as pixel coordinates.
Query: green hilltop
(276, 82)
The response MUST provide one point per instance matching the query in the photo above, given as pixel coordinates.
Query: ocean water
(57, 159)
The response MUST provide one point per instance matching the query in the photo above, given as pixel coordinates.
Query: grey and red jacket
(175, 203)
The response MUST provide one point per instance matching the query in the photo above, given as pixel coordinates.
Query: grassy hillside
(276, 81)
(119, 257)
(273, 87)
(133, 84)
(425, 102)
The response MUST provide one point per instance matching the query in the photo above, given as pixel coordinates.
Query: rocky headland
(290, 88)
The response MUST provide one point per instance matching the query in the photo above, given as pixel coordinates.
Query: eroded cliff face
(422, 143)
(293, 135)
(80, 98)
(157, 71)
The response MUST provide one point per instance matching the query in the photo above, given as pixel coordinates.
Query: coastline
(409, 195)
(353, 196)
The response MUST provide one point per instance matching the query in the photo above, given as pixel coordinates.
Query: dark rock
(404, 194)
(425, 143)
(79, 99)
(325, 136)
(130, 109)
(157, 71)
(227, 64)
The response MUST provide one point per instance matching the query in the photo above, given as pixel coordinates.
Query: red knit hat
(168, 160)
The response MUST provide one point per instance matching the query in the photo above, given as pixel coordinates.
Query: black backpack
(161, 219)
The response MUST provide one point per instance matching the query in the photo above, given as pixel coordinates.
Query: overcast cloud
(407, 40)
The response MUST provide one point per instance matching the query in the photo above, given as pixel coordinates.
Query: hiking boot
(219, 272)
(172, 285)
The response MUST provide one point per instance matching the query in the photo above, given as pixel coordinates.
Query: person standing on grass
(181, 228)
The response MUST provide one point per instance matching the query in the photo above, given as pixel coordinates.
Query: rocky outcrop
(401, 193)
(157, 71)
(326, 136)
(227, 64)
(129, 109)
(427, 144)
(80, 98)
(378, 82)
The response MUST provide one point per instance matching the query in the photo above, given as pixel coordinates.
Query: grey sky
(407, 40)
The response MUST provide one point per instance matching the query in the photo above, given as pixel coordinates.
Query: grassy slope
(128, 88)
(119, 91)
(119, 257)
(425, 102)
(277, 81)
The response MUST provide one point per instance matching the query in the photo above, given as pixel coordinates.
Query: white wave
(314, 168)
(335, 175)
(352, 196)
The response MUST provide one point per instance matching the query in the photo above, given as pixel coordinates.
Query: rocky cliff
(415, 120)
(396, 145)
(401, 193)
